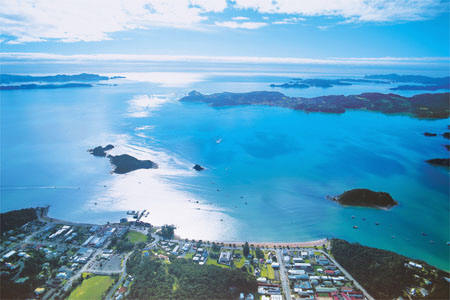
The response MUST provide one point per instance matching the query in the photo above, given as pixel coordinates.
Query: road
(119, 282)
(283, 276)
(356, 283)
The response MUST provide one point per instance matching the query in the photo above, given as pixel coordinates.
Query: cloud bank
(85, 20)
(25, 57)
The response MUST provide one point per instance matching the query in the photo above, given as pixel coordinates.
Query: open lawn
(238, 263)
(267, 271)
(211, 261)
(92, 288)
(136, 237)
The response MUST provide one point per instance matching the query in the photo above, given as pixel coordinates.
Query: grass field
(211, 261)
(92, 288)
(267, 271)
(238, 263)
(136, 237)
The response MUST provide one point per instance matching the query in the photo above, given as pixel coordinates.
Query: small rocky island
(198, 168)
(123, 163)
(100, 151)
(126, 163)
(429, 134)
(441, 162)
(365, 197)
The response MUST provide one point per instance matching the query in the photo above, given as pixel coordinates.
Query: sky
(319, 31)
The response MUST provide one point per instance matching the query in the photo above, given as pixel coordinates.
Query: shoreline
(42, 215)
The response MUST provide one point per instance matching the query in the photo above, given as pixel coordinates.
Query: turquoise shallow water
(265, 181)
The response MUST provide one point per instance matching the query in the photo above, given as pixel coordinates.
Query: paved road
(84, 269)
(366, 294)
(283, 276)
(119, 282)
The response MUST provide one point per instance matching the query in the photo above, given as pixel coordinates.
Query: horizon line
(19, 57)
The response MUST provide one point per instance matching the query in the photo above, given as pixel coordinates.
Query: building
(9, 254)
(225, 257)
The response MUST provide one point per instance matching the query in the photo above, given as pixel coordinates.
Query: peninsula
(423, 106)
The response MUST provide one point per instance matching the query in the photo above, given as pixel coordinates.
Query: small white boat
(218, 141)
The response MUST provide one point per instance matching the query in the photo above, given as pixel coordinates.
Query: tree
(246, 249)
(259, 253)
(167, 231)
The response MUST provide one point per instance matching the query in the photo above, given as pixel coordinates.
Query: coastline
(42, 213)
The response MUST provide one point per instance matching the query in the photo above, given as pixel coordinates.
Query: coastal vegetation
(387, 275)
(182, 279)
(16, 218)
(423, 106)
(167, 231)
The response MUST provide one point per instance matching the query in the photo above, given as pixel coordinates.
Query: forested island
(365, 197)
(388, 275)
(423, 106)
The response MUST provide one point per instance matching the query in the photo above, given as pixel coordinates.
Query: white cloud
(354, 10)
(293, 20)
(87, 20)
(240, 18)
(17, 57)
(243, 25)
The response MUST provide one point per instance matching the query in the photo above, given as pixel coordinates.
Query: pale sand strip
(276, 244)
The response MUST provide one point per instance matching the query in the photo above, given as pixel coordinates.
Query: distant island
(43, 86)
(198, 168)
(299, 83)
(83, 77)
(423, 83)
(424, 106)
(123, 163)
(28, 82)
(365, 197)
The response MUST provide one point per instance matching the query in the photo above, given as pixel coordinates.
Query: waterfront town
(63, 260)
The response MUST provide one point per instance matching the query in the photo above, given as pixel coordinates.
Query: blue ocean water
(268, 170)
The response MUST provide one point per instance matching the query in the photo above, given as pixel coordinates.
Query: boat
(218, 141)
(355, 227)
